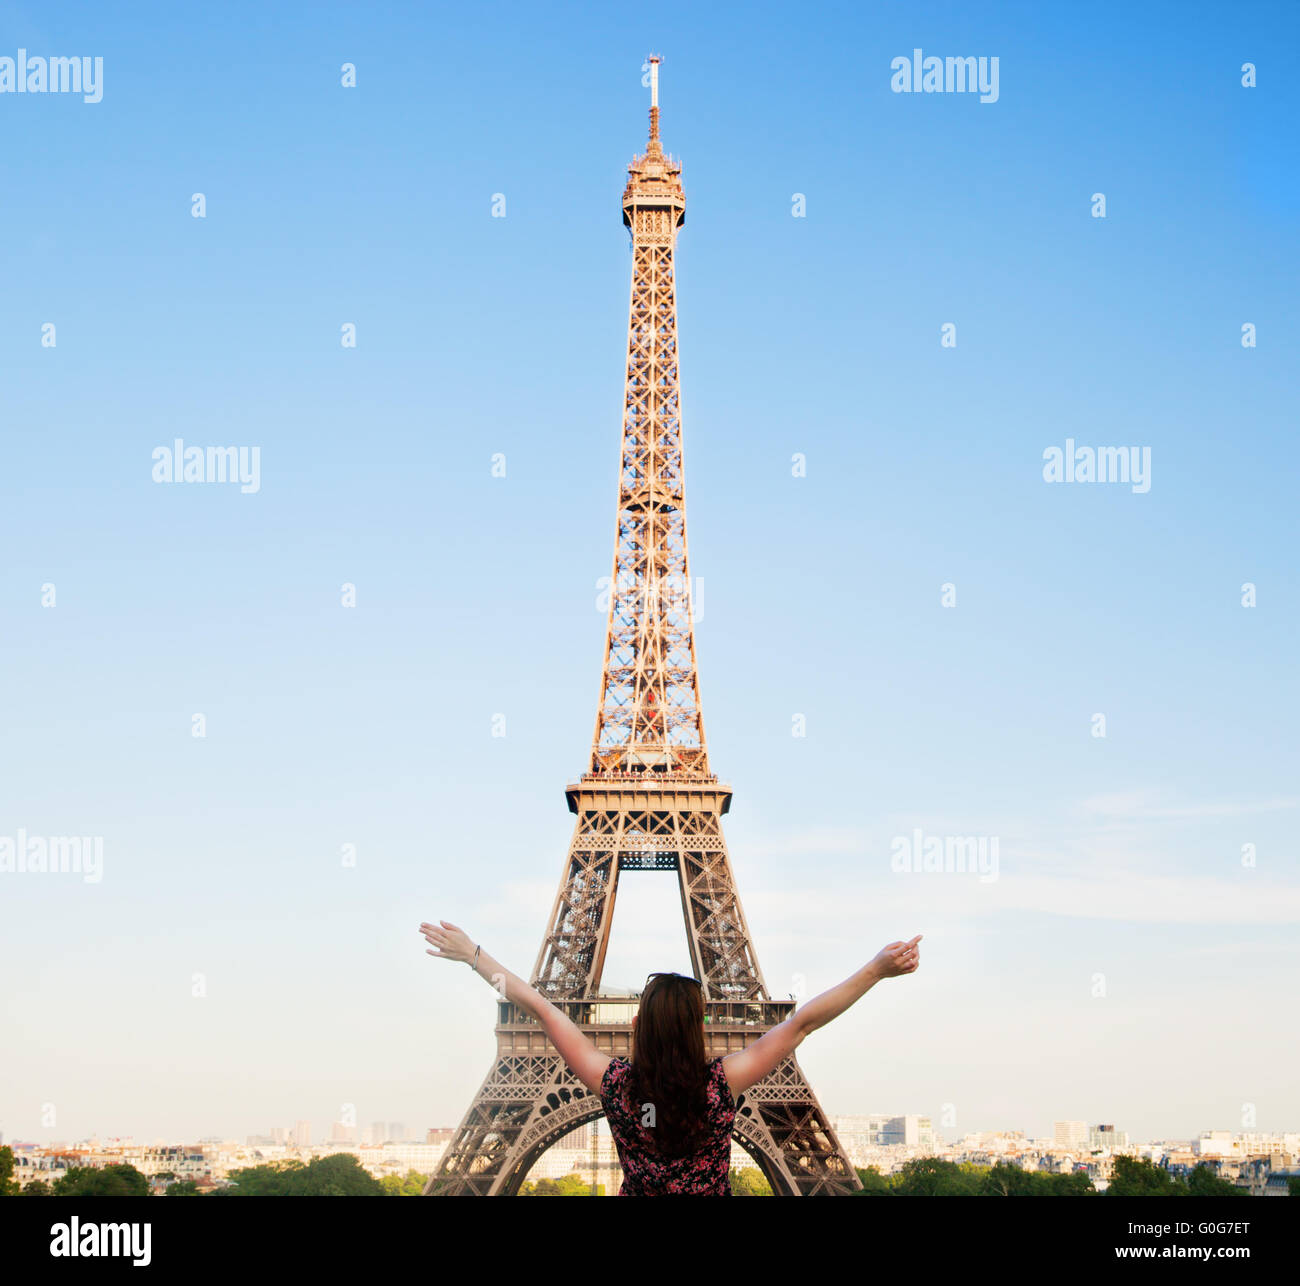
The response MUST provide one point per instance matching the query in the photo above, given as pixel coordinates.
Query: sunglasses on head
(687, 976)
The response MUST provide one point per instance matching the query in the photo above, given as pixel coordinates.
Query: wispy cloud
(817, 839)
(1145, 805)
(1113, 895)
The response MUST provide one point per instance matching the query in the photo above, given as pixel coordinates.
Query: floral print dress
(704, 1173)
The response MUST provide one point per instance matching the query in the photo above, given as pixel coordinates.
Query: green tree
(182, 1188)
(874, 1184)
(539, 1188)
(8, 1185)
(1293, 1186)
(271, 1180)
(1003, 1180)
(572, 1185)
(1203, 1182)
(339, 1175)
(748, 1181)
(1140, 1177)
(110, 1181)
(1075, 1184)
(38, 1188)
(931, 1177)
(410, 1184)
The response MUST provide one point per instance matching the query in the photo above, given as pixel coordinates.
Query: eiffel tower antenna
(648, 801)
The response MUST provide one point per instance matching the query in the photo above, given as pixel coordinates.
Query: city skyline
(1260, 1164)
(941, 622)
(324, 1133)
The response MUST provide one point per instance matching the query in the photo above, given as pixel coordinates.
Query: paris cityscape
(1255, 1163)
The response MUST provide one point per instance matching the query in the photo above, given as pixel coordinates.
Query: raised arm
(585, 1061)
(748, 1066)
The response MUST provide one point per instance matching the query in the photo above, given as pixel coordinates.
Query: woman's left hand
(450, 942)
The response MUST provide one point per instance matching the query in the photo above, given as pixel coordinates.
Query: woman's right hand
(898, 958)
(450, 941)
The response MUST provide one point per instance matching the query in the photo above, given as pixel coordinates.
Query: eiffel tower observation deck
(648, 801)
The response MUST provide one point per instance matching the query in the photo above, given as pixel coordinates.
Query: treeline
(1130, 1177)
(340, 1175)
(572, 1185)
(747, 1181)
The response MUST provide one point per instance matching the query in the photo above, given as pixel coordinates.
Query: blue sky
(820, 595)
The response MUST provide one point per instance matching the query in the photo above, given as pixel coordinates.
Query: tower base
(530, 1100)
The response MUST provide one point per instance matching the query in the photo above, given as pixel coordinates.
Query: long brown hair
(668, 1071)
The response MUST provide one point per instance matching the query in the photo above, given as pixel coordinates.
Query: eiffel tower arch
(648, 800)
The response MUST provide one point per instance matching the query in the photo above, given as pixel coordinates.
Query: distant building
(397, 1158)
(864, 1137)
(302, 1134)
(595, 1160)
(1278, 1183)
(1070, 1134)
(908, 1131)
(1106, 1136)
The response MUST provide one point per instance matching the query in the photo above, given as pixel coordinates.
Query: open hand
(898, 958)
(448, 941)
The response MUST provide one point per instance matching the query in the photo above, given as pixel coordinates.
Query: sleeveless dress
(704, 1173)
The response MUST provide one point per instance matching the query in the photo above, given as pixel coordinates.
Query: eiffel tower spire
(654, 61)
(649, 717)
(648, 802)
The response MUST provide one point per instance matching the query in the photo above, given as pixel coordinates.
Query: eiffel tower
(648, 801)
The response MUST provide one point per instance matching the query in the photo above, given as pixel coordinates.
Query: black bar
(949, 1235)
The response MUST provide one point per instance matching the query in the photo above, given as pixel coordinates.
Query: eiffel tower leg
(781, 1124)
(526, 1105)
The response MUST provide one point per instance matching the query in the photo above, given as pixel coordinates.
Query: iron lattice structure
(648, 801)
